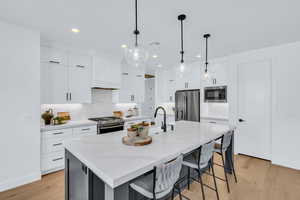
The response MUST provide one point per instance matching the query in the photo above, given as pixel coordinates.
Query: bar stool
(161, 182)
(201, 160)
(220, 149)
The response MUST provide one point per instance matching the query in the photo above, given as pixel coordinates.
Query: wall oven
(215, 94)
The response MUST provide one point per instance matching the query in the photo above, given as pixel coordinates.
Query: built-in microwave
(215, 94)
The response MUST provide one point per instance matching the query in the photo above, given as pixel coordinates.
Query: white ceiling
(235, 25)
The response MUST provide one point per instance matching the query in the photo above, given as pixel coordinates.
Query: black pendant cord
(206, 36)
(182, 52)
(181, 18)
(136, 31)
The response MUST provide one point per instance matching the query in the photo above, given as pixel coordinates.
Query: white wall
(285, 114)
(19, 105)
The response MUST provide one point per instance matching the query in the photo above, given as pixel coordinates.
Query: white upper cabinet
(218, 74)
(106, 74)
(54, 83)
(80, 78)
(189, 78)
(65, 77)
(132, 88)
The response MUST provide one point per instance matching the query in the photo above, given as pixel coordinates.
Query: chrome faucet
(164, 125)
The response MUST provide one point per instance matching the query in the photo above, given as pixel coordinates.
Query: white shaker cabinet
(54, 83)
(189, 78)
(132, 86)
(218, 74)
(106, 74)
(65, 77)
(79, 79)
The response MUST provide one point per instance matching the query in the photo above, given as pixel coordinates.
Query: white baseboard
(291, 165)
(13, 183)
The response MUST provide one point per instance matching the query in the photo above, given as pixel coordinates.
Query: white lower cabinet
(52, 146)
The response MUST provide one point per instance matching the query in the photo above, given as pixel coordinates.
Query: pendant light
(137, 55)
(182, 67)
(206, 74)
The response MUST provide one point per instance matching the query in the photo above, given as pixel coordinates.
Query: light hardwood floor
(257, 180)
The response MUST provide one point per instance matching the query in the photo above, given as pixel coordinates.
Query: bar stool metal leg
(189, 176)
(213, 172)
(172, 193)
(202, 189)
(226, 178)
(233, 169)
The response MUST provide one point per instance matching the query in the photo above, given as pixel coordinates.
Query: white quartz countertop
(116, 163)
(70, 124)
(133, 118)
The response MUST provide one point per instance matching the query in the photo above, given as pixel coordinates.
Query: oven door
(109, 129)
(215, 94)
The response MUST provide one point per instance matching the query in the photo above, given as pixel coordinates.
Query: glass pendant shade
(136, 56)
(206, 76)
(182, 67)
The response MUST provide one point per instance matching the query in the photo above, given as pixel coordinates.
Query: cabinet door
(139, 86)
(126, 91)
(53, 55)
(79, 79)
(54, 83)
(171, 85)
(77, 179)
(194, 77)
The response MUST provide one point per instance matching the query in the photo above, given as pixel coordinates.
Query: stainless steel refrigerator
(187, 105)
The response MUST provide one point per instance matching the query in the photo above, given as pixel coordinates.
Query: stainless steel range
(108, 124)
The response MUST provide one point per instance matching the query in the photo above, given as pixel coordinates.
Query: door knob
(241, 120)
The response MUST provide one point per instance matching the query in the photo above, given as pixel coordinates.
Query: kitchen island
(101, 167)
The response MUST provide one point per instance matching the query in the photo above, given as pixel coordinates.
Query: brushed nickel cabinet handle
(80, 66)
(57, 144)
(54, 62)
(57, 159)
(58, 133)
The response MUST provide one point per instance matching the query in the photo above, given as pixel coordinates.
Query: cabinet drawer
(51, 145)
(63, 133)
(53, 161)
(85, 130)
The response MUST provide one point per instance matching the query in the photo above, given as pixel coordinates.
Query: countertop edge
(71, 124)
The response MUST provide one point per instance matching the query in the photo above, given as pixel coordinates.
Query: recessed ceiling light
(124, 46)
(75, 30)
(154, 56)
(198, 56)
(159, 65)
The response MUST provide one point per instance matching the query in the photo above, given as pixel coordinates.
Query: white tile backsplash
(101, 106)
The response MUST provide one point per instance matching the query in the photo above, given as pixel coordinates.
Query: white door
(254, 109)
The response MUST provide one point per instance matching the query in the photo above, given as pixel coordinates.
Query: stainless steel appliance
(215, 94)
(187, 105)
(108, 124)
